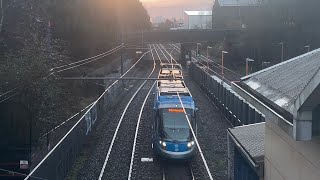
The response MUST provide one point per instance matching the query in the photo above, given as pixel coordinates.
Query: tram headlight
(190, 144)
(163, 144)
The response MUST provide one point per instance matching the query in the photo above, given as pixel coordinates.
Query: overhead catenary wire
(169, 54)
(138, 125)
(195, 138)
(74, 126)
(218, 64)
(157, 53)
(217, 74)
(212, 61)
(64, 122)
(89, 61)
(163, 53)
(56, 70)
(90, 58)
(119, 123)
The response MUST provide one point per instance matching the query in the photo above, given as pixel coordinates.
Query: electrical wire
(99, 56)
(58, 70)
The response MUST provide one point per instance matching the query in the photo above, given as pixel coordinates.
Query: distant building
(235, 14)
(198, 19)
(156, 21)
(287, 146)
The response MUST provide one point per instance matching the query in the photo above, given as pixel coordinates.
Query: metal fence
(60, 159)
(233, 106)
(57, 163)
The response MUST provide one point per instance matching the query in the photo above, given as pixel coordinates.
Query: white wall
(202, 22)
(286, 159)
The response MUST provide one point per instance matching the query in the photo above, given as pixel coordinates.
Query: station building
(197, 19)
(287, 145)
(235, 14)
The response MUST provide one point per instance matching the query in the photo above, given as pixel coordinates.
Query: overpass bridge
(185, 36)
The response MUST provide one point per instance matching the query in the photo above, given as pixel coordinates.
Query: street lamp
(197, 53)
(264, 62)
(308, 47)
(281, 50)
(208, 47)
(247, 65)
(223, 52)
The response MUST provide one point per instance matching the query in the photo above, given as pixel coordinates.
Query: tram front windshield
(174, 125)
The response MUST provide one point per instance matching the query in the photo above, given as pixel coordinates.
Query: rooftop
(199, 13)
(250, 140)
(238, 2)
(283, 83)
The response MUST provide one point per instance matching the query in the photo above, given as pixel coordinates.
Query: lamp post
(308, 47)
(263, 63)
(281, 50)
(223, 52)
(208, 47)
(247, 65)
(198, 49)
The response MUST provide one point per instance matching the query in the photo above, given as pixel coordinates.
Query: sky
(174, 8)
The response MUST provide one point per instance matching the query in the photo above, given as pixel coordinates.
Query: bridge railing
(233, 106)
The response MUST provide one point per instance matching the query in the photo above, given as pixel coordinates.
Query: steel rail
(76, 124)
(217, 64)
(163, 53)
(217, 74)
(138, 125)
(195, 138)
(119, 123)
(137, 129)
(169, 53)
(157, 53)
(191, 171)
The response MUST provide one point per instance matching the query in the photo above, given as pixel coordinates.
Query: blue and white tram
(172, 136)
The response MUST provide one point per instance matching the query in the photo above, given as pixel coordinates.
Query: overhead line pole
(122, 52)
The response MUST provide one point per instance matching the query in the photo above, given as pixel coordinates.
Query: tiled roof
(251, 139)
(284, 82)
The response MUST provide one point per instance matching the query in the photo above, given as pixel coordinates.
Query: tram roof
(171, 64)
(174, 102)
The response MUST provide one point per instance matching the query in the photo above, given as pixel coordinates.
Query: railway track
(144, 164)
(126, 143)
(118, 158)
(183, 168)
(214, 67)
(177, 171)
